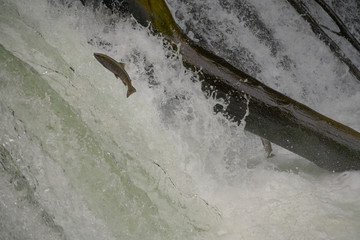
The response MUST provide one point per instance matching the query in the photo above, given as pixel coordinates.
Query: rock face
(268, 113)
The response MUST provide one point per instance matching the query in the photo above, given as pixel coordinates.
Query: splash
(158, 165)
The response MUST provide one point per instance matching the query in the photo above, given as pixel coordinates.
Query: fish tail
(130, 91)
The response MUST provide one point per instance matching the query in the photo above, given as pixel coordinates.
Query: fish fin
(122, 64)
(116, 75)
(130, 91)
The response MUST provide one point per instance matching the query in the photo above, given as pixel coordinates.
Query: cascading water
(79, 160)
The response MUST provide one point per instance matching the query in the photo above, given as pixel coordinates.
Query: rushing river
(79, 160)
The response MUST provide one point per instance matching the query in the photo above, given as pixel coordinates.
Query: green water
(79, 160)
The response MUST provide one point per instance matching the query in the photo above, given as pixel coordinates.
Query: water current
(79, 160)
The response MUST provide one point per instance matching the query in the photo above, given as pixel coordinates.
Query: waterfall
(79, 160)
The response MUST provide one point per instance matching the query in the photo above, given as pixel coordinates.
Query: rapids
(79, 160)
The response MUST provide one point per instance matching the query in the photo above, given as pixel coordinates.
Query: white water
(160, 164)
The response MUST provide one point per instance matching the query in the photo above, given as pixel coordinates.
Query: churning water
(79, 160)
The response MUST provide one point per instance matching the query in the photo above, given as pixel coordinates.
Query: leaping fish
(267, 146)
(117, 68)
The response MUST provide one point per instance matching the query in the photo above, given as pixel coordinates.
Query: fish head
(106, 61)
(100, 57)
